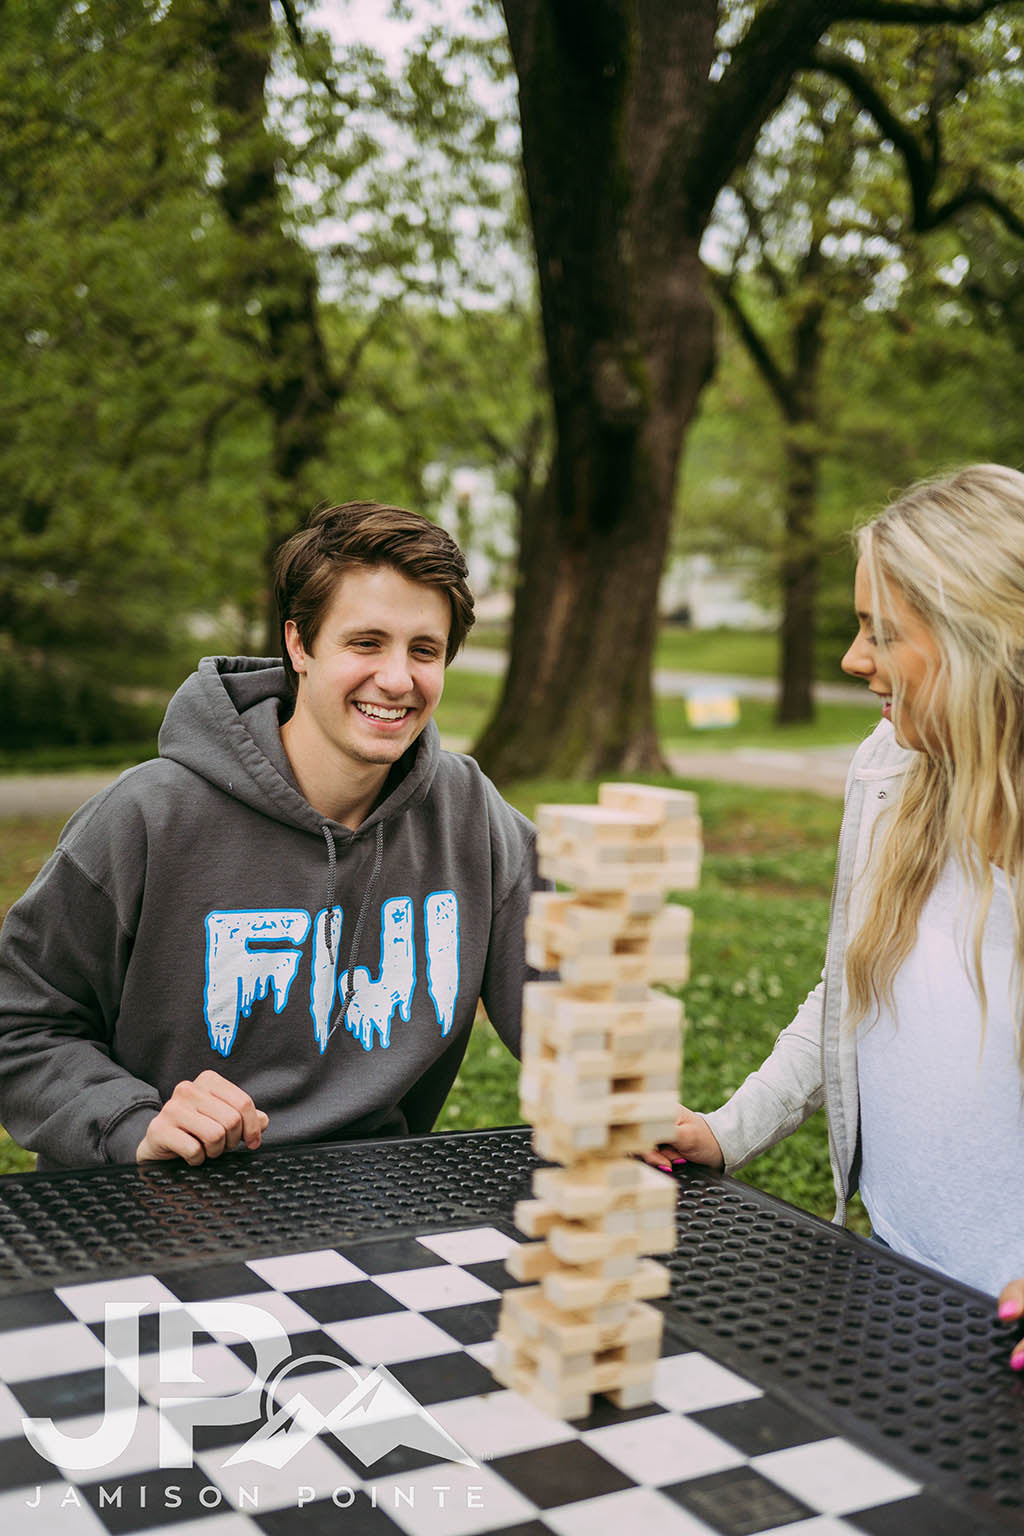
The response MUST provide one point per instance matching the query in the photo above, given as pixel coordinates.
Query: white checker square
(53, 1517)
(481, 1245)
(474, 1499)
(312, 1466)
(691, 1382)
(663, 1449)
(632, 1509)
(304, 1271)
(485, 1353)
(265, 1314)
(141, 1429)
(834, 1477)
(88, 1302)
(500, 1424)
(439, 1285)
(391, 1337)
(55, 1349)
(208, 1370)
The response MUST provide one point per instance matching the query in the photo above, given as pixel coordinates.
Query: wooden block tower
(601, 1059)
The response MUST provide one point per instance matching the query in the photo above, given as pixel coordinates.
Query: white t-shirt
(942, 1106)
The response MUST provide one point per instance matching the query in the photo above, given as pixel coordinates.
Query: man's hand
(202, 1119)
(1011, 1310)
(693, 1139)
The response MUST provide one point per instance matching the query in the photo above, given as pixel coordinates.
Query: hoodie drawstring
(378, 863)
(332, 886)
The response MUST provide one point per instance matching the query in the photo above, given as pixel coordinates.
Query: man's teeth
(378, 712)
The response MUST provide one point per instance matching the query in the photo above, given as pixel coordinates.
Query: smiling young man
(277, 931)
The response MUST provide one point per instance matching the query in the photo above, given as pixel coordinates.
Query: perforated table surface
(900, 1362)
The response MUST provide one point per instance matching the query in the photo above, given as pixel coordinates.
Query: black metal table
(909, 1366)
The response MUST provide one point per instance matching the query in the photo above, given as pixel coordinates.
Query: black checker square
(154, 1500)
(213, 1282)
(739, 1502)
(761, 1425)
(150, 1324)
(70, 1396)
(35, 1309)
(493, 1273)
(560, 1474)
(311, 1352)
(470, 1323)
(388, 1255)
(21, 1466)
(440, 1378)
(345, 1302)
(323, 1517)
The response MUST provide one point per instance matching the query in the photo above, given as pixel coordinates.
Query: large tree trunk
(273, 275)
(607, 97)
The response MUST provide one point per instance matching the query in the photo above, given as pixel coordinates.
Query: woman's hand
(694, 1140)
(1011, 1310)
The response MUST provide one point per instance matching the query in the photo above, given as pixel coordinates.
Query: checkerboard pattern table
(712, 1453)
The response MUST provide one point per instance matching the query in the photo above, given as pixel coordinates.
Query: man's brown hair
(365, 534)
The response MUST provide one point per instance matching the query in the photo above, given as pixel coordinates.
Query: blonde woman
(913, 1039)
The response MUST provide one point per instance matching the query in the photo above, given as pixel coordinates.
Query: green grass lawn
(743, 652)
(758, 943)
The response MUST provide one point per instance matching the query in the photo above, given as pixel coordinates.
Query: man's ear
(296, 649)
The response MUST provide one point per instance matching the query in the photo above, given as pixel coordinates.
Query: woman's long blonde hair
(953, 549)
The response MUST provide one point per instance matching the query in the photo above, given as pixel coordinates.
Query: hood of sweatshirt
(221, 923)
(223, 723)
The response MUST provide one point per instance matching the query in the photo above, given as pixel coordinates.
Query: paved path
(817, 768)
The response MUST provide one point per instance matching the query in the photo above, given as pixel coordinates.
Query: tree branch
(922, 169)
(976, 195)
(777, 44)
(779, 41)
(776, 379)
(898, 14)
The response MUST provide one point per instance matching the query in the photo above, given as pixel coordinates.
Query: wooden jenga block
(559, 1145)
(611, 1109)
(596, 1186)
(529, 1318)
(573, 1290)
(579, 1245)
(651, 1022)
(664, 805)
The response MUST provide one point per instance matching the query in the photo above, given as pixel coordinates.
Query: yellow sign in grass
(711, 708)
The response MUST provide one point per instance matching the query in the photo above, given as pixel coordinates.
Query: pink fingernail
(1017, 1361)
(1009, 1309)
(664, 1167)
(676, 1160)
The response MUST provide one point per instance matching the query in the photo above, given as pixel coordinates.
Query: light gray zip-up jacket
(814, 1060)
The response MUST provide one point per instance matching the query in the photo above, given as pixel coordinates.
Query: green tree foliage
(838, 255)
(179, 181)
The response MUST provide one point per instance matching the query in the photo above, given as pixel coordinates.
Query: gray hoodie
(199, 913)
